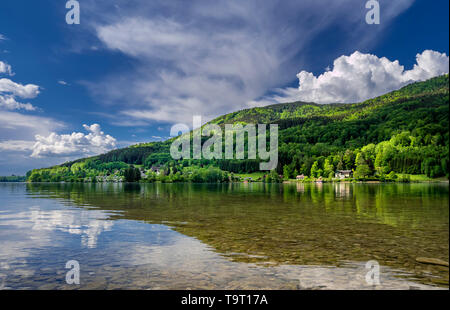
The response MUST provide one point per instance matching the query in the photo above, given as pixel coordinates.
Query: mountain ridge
(311, 132)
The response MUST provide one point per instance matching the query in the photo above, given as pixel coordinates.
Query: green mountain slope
(404, 131)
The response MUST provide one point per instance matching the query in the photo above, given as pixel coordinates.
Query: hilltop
(402, 132)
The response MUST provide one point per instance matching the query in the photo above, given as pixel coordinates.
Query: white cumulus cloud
(5, 68)
(74, 144)
(9, 90)
(9, 102)
(16, 89)
(17, 137)
(362, 76)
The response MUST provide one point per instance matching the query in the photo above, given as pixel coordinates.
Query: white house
(343, 174)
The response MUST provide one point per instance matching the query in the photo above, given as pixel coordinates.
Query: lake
(223, 236)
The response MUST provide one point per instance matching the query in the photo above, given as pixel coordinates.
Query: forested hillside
(404, 131)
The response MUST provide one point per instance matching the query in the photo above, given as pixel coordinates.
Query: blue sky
(137, 67)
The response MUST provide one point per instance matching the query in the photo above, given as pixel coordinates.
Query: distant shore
(245, 182)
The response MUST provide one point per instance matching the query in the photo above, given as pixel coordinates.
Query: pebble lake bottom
(224, 236)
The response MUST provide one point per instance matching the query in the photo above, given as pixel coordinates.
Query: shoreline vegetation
(249, 178)
(402, 136)
(13, 178)
(439, 180)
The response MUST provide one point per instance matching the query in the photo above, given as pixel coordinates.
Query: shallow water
(226, 236)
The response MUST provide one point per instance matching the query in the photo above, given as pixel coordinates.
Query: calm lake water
(227, 236)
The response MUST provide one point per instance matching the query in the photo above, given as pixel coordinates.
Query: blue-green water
(233, 236)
